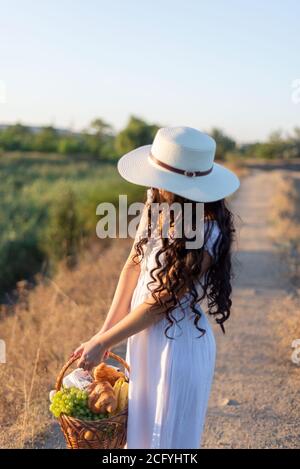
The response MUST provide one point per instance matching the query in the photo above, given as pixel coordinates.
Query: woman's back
(171, 375)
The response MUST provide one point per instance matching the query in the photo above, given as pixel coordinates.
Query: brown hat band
(180, 171)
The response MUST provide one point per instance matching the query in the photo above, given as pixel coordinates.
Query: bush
(63, 233)
(19, 259)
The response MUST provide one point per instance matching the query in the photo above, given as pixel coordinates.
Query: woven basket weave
(108, 433)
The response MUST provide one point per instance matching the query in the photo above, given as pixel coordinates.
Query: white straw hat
(180, 160)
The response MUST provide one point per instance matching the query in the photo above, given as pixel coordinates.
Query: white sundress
(170, 379)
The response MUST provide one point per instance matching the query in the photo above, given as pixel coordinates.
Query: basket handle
(73, 359)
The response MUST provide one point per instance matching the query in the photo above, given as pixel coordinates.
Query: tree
(16, 137)
(63, 233)
(276, 137)
(46, 140)
(99, 139)
(72, 144)
(294, 141)
(100, 128)
(224, 143)
(136, 133)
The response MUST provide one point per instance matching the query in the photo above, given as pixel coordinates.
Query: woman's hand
(90, 353)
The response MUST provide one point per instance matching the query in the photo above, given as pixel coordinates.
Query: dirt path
(255, 400)
(263, 407)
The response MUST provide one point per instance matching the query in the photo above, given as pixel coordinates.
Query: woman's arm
(127, 281)
(120, 305)
(144, 315)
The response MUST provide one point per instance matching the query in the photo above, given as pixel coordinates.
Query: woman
(171, 347)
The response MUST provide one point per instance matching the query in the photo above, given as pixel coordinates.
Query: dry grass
(42, 329)
(289, 329)
(285, 231)
(285, 222)
(238, 167)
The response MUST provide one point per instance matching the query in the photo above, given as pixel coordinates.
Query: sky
(217, 63)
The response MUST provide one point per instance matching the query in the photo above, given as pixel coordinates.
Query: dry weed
(42, 329)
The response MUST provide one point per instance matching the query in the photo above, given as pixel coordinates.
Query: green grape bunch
(73, 402)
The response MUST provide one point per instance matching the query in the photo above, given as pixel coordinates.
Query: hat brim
(137, 168)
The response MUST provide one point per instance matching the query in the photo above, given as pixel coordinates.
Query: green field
(47, 210)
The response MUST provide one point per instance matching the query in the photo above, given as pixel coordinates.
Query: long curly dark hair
(182, 267)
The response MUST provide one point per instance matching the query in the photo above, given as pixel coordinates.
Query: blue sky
(224, 63)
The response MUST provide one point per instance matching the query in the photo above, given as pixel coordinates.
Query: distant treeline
(51, 181)
(100, 140)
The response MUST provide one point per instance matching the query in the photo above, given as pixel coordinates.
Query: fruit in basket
(123, 396)
(71, 401)
(117, 388)
(121, 393)
(105, 372)
(88, 435)
(102, 398)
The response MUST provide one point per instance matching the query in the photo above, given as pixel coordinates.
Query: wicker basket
(106, 433)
